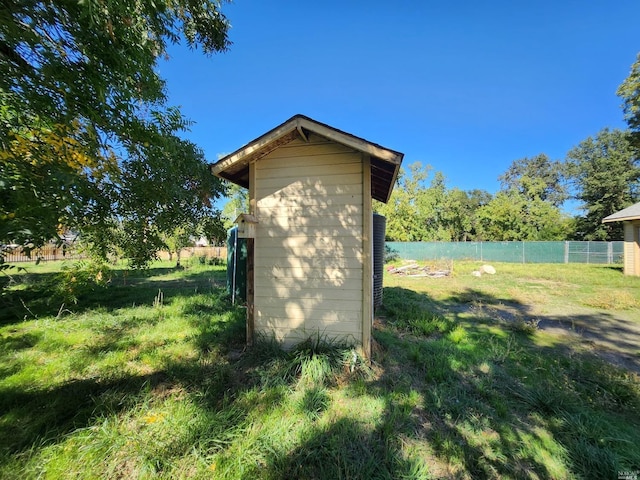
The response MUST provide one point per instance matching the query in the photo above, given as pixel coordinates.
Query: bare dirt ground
(587, 308)
(613, 336)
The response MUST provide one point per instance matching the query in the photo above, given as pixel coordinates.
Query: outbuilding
(310, 267)
(630, 217)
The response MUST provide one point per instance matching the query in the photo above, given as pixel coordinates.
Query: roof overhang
(620, 219)
(628, 214)
(385, 163)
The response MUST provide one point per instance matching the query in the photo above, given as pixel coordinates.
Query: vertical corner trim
(251, 259)
(367, 256)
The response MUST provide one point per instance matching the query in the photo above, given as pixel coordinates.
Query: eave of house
(385, 163)
(627, 214)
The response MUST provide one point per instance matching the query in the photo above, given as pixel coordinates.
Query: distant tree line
(601, 174)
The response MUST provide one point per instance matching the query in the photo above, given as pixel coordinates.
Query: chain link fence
(514, 252)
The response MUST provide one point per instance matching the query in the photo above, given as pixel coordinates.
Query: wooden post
(636, 246)
(367, 257)
(250, 291)
(251, 258)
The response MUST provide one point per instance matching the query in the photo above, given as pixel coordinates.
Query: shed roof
(629, 213)
(385, 163)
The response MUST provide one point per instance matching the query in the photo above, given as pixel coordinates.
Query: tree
(237, 203)
(460, 213)
(605, 172)
(410, 211)
(536, 177)
(401, 211)
(87, 140)
(431, 204)
(510, 215)
(527, 205)
(175, 241)
(629, 91)
(420, 212)
(213, 229)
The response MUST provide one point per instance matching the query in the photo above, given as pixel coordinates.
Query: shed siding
(629, 250)
(309, 242)
(636, 247)
(632, 247)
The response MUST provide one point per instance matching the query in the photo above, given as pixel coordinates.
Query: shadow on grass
(473, 430)
(45, 416)
(36, 295)
(617, 268)
(614, 339)
(497, 405)
(454, 405)
(33, 417)
(343, 449)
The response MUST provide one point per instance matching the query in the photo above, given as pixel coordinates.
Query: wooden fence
(47, 253)
(52, 252)
(199, 253)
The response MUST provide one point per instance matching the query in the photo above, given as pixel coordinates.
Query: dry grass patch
(613, 300)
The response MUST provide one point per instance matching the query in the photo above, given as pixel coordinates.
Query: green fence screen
(520, 252)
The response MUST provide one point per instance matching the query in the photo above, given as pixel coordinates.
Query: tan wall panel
(629, 249)
(276, 253)
(636, 255)
(289, 240)
(632, 248)
(289, 223)
(299, 149)
(308, 307)
(314, 214)
(319, 320)
(290, 337)
(308, 262)
(315, 291)
(329, 204)
(300, 183)
(286, 285)
(317, 190)
(306, 166)
(312, 236)
(338, 277)
(303, 262)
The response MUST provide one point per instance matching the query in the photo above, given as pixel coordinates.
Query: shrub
(79, 278)
(390, 255)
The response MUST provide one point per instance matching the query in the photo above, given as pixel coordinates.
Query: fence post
(566, 252)
(523, 252)
(481, 258)
(588, 254)
(609, 253)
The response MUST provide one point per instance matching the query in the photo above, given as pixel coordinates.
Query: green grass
(145, 376)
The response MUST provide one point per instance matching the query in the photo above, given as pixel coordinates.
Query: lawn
(145, 375)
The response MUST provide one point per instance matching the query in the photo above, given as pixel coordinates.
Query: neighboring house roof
(385, 163)
(629, 213)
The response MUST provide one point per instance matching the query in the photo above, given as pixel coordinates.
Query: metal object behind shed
(379, 231)
(236, 266)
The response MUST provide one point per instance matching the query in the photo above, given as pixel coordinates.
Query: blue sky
(465, 86)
